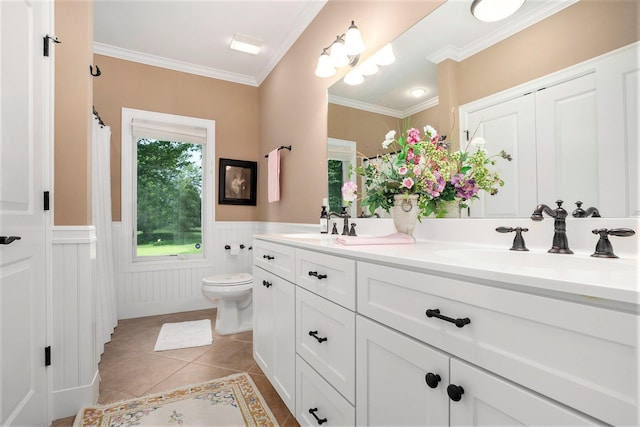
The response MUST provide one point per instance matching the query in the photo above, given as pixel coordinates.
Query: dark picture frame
(237, 182)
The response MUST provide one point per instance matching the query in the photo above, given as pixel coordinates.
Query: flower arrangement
(424, 165)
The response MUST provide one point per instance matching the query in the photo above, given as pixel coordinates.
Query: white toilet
(233, 293)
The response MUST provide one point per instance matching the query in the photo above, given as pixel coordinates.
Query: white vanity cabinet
(274, 317)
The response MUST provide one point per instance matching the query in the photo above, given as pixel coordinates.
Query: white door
(399, 381)
(568, 152)
(23, 111)
(488, 400)
(508, 126)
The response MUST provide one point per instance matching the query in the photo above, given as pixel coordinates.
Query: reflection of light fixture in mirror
(325, 67)
(245, 44)
(369, 67)
(385, 56)
(345, 50)
(417, 92)
(494, 10)
(353, 78)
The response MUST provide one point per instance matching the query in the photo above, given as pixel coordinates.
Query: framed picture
(237, 182)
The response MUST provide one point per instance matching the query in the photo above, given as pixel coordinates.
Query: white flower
(388, 139)
(430, 131)
(478, 143)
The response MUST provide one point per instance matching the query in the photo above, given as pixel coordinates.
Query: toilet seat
(228, 279)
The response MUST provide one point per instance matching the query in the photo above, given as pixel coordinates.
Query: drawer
(325, 338)
(275, 258)
(580, 355)
(329, 276)
(314, 396)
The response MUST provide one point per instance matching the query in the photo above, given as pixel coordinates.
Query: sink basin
(306, 236)
(534, 260)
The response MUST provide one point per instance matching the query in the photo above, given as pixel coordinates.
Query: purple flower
(434, 188)
(465, 188)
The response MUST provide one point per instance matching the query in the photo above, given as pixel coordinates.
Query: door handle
(7, 240)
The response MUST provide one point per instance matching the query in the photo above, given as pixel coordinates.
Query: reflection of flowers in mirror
(425, 165)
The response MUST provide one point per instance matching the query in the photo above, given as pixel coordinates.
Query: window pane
(169, 198)
(335, 185)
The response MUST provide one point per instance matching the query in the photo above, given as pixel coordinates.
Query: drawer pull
(458, 322)
(267, 284)
(320, 421)
(455, 392)
(319, 276)
(315, 335)
(432, 379)
(268, 257)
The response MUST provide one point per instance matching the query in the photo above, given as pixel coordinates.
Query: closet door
(508, 126)
(567, 134)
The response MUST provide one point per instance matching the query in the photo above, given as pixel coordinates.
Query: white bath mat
(184, 334)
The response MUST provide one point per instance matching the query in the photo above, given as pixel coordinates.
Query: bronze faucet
(581, 213)
(560, 242)
(345, 216)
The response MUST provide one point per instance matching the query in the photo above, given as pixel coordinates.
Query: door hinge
(46, 38)
(47, 356)
(467, 133)
(46, 200)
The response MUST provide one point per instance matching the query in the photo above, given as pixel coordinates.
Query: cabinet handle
(268, 257)
(267, 284)
(455, 392)
(458, 322)
(7, 240)
(315, 335)
(432, 379)
(319, 276)
(320, 421)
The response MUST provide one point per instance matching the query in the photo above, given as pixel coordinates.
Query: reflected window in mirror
(341, 155)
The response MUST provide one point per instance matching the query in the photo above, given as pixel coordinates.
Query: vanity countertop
(598, 281)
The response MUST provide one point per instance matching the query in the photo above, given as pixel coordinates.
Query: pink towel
(391, 239)
(273, 172)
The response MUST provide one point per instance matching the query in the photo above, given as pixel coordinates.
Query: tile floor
(130, 368)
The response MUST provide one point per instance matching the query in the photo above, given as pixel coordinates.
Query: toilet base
(234, 317)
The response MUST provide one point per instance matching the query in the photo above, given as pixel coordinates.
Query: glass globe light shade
(494, 10)
(353, 43)
(353, 78)
(325, 67)
(338, 54)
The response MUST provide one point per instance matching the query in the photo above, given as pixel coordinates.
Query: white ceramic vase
(453, 209)
(405, 212)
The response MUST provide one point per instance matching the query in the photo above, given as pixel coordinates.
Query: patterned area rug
(229, 401)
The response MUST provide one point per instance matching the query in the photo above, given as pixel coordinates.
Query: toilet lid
(228, 279)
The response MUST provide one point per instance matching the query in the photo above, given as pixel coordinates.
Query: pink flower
(349, 190)
(413, 136)
(408, 183)
(416, 160)
(417, 171)
(402, 170)
(410, 155)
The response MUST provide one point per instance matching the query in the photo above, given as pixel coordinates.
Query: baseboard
(131, 311)
(68, 402)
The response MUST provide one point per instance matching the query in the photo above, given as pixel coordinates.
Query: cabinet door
(274, 332)
(283, 375)
(391, 386)
(488, 400)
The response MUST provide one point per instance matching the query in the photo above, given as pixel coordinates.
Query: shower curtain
(105, 307)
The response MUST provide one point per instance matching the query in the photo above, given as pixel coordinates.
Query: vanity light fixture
(353, 78)
(245, 44)
(345, 50)
(494, 10)
(369, 67)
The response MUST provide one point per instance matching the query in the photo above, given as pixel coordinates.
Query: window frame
(130, 261)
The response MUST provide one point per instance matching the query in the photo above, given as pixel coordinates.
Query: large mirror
(475, 75)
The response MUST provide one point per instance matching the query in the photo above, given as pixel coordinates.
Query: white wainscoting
(73, 360)
(148, 293)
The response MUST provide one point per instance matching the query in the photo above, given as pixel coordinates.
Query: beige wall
(588, 28)
(73, 100)
(293, 101)
(234, 107)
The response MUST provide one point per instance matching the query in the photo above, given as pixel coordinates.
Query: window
(167, 190)
(342, 159)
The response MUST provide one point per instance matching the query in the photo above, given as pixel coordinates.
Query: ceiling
(194, 35)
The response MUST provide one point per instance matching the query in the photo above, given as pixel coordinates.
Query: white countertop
(599, 281)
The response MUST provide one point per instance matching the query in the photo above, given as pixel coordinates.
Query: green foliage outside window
(335, 185)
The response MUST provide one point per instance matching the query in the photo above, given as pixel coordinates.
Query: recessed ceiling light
(245, 44)
(494, 10)
(417, 92)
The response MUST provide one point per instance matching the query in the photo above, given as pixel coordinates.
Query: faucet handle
(352, 230)
(579, 212)
(518, 240)
(604, 249)
(334, 230)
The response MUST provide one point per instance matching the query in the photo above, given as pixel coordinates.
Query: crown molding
(159, 61)
(459, 54)
(398, 114)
